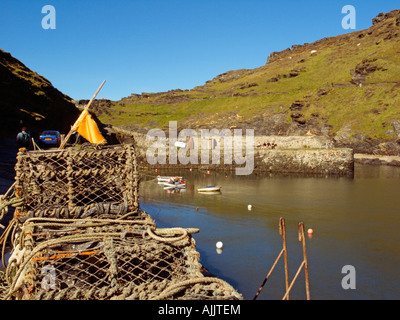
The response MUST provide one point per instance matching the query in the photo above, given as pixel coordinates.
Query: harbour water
(355, 222)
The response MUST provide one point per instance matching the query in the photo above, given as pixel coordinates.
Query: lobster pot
(92, 260)
(75, 183)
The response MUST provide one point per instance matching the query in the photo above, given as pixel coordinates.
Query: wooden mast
(77, 121)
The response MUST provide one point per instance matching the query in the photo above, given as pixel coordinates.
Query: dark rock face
(28, 99)
(366, 67)
(384, 16)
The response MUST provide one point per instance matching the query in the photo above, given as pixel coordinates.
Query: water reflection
(355, 222)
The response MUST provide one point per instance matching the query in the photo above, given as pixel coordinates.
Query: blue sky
(159, 45)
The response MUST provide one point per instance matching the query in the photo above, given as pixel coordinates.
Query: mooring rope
(183, 235)
(39, 247)
(7, 200)
(176, 288)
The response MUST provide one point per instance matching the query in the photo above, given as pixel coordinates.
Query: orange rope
(63, 255)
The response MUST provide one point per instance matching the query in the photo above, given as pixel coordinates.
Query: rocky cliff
(28, 99)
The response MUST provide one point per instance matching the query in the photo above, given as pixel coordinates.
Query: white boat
(181, 184)
(209, 189)
(167, 178)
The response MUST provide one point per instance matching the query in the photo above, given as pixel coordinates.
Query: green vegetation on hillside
(350, 80)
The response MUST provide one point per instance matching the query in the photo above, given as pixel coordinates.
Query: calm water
(355, 221)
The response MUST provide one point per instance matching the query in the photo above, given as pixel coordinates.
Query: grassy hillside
(345, 86)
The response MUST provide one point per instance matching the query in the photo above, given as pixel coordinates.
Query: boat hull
(171, 185)
(210, 189)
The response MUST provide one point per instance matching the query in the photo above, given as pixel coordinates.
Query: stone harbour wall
(310, 161)
(300, 161)
(297, 154)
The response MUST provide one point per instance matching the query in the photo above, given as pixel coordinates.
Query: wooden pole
(86, 108)
(302, 238)
(304, 264)
(282, 232)
(282, 229)
(268, 275)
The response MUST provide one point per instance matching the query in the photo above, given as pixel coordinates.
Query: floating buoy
(310, 231)
(219, 245)
(249, 207)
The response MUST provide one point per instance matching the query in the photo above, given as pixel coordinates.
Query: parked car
(50, 138)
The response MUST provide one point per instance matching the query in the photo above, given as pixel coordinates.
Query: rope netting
(72, 239)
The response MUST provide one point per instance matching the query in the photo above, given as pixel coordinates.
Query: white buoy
(219, 245)
(249, 207)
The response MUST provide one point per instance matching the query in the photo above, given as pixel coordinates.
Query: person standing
(23, 139)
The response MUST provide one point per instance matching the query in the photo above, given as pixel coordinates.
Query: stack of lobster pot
(79, 233)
